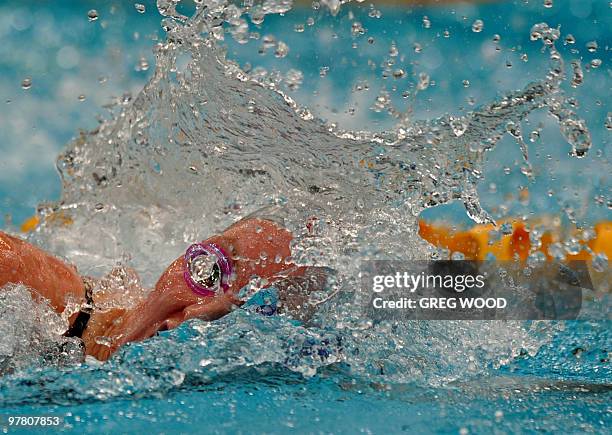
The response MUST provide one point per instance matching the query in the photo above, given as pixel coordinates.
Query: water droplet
(600, 262)
(458, 256)
(374, 13)
(417, 47)
(508, 64)
(466, 83)
(26, 83)
(556, 251)
(103, 341)
(496, 38)
(499, 415)
(545, 33)
(140, 8)
(578, 75)
(426, 22)
(572, 246)
(524, 57)
(577, 135)
(294, 79)
(81, 97)
(257, 16)
(423, 82)
(393, 51)
(381, 102)
(592, 46)
(268, 41)
(596, 63)
(282, 50)
(458, 125)
(588, 234)
(548, 3)
(535, 259)
(569, 39)
(143, 65)
(92, 15)
(333, 6)
(357, 29)
(608, 122)
(446, 33)
(477, 26)
(299, 28)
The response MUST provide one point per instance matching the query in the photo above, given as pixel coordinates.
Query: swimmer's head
(208, 270)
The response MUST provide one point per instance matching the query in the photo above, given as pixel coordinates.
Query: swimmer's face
(255, 247)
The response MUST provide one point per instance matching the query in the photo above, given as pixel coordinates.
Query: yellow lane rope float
(479, 242)
(58, 217)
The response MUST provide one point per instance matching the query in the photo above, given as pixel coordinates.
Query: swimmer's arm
(111, 330)
(49, 277)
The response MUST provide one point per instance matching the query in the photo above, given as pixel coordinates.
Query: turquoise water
(562, 389)
(248, 373)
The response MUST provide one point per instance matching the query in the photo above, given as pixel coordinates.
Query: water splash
(32, 333)
(205, 143)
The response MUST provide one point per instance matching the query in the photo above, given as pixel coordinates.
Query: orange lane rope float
(58, 217)
(482, 241)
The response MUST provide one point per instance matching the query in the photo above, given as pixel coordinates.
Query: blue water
(160, 385)
(565, 388)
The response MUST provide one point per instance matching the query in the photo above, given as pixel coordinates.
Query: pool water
(249, 373)
(565, 388)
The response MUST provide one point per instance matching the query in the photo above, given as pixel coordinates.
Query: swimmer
(203, 283)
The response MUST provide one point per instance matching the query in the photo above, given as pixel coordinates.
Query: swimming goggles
(207, 269)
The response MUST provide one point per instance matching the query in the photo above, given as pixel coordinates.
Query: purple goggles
(207, 269)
